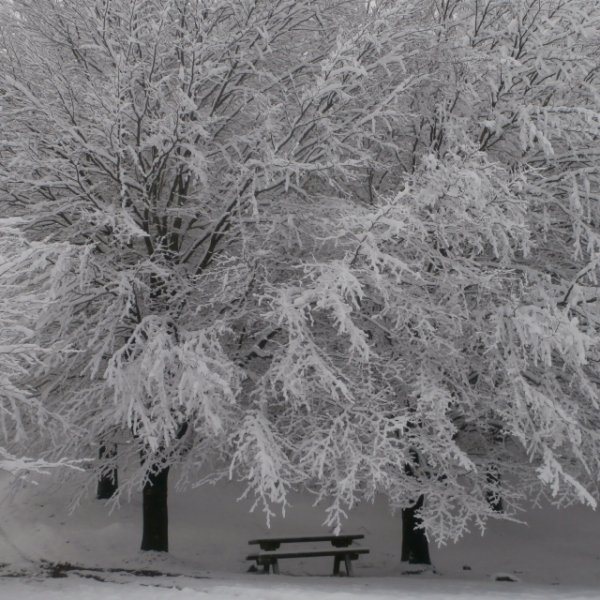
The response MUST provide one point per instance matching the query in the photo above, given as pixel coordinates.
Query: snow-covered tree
(516, 82)
(170, 164)
(341, 245)
(467, 370)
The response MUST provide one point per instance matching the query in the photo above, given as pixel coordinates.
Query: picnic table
(342, 550)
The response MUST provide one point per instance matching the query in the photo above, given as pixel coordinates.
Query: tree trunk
(415, 547)
(492, 496)
(108, 482)
(155, 513)
(155, 526)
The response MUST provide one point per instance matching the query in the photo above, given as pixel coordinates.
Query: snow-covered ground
(557, 555)
(282, 589)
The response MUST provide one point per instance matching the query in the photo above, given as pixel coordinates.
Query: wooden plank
(313, 538)
(265, 556)
(339, 541)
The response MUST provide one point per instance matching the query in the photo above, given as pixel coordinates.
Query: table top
(314, 538)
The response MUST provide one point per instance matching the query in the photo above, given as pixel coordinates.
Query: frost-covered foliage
(350, 246)
(169, 165)
(25, 468)
(519, 82)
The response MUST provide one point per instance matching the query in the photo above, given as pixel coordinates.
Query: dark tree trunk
(108, 482)
(415, 546)
(155, 526)
(493, 475)
(155, 512)
(492, 496)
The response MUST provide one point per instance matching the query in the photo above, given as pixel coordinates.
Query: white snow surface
(556, 555)
(250, 589)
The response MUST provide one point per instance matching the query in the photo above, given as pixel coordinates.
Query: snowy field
(282, 589)
(557, 555)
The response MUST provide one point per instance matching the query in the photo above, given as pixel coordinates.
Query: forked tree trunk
(155, 534)
(108, 482)
(415, 546)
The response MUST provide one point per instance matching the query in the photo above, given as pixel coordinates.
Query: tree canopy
(334, 244)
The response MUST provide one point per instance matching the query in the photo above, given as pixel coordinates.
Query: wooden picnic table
(268, 559)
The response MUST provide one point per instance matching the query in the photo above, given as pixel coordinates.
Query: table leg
(348, 562)
(336, 565)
